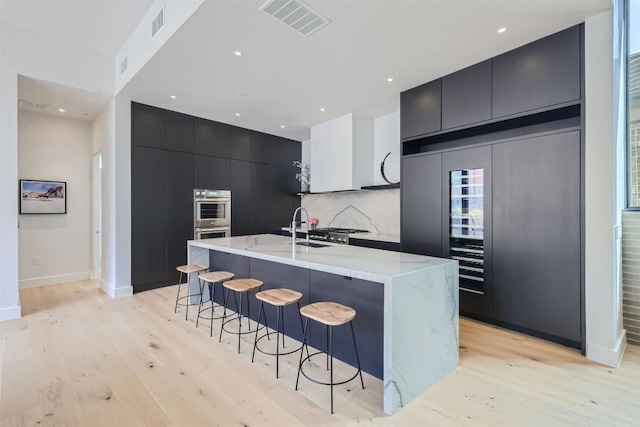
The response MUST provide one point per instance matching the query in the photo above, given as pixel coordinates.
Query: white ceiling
(287, 77)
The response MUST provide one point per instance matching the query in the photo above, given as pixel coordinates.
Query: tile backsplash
(373, 210)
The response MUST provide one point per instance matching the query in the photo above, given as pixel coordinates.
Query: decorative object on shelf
(43, 197)
(313, 223)
(304, 176)
(382, 170)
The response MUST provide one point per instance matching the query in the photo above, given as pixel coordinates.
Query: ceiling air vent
(296, 15)
(157, 23)
(124, 65)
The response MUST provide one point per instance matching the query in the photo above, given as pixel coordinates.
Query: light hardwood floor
(77, 357)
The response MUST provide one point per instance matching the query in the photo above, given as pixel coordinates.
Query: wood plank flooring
(77, 357)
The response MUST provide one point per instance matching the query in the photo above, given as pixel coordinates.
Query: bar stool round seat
(330, 314)
(279, 298)
(211, 278)
(239, 287)
(186, 300)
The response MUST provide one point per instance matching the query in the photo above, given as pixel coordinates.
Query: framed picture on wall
(43, 197)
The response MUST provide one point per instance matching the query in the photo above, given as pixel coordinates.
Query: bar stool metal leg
(175, 310)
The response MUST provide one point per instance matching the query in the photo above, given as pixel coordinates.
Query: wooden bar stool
(279, 298)
(329, 314)
(211, 278)
(239, 287)
(185, 299)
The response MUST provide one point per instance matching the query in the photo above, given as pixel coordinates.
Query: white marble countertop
(362, 263)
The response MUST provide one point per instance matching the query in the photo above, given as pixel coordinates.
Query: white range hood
(342, 153)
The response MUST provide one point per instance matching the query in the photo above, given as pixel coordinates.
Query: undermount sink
(311, 244)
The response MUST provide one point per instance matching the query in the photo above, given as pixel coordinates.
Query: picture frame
(43, 197)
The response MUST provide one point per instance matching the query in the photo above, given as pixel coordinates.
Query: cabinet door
(261, 144)
(467, 227)
(367, 298)
(420, 110)
(466, 96)
(283, 185)
(148, 228)
(211, 173)
(260, 201)
(211, 138)
(541, 74)
(179, 132)
(179, 210)
(536, 234)
(148, 126)
(240, 174)
(422, 205)
(239, 143)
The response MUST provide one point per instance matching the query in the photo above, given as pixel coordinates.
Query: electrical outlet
(37, 260)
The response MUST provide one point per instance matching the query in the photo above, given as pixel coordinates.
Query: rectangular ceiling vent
(124, 65)
(157, 23)
(296, 15)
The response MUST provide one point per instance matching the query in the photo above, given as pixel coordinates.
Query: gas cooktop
(334, 235)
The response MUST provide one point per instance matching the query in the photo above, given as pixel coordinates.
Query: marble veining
(420, 303)
(374, 210)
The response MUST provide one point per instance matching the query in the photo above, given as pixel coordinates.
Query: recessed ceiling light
(390, 79)
(237, 114)
(62, 110)
(322, 109)
(85, 114)
(281, 126)
(172, 97)
(502, 30)
(237, 53)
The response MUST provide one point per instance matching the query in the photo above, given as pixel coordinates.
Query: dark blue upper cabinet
(466, 96)
(211, 138)
(420, 110)
(239, 143)
(148, 126)
(539, 75)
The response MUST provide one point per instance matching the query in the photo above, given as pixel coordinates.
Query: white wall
(55, 149)
(604, 333)
(27, 53)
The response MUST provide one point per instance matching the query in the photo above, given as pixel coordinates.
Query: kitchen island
(407, 305)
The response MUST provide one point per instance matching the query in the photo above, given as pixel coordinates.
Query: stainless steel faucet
(293, 223)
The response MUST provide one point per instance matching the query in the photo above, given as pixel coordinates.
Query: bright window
(633, 73)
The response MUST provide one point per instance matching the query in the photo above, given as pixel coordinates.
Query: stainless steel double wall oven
(211, 213)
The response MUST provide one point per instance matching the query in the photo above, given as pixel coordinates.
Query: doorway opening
(96, 216)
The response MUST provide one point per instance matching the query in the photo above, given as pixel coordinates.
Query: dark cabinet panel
(472, 249)
(466, 96)
(240, 174)
(420, 110)
(275, 275)
(148, 227)
(211, 173)
(421, 225)
(148, 126)
(261, 204)
(367, 298)
(179, 132)
(261, 144)
(239, 143)
(179, 210)
(211, 138)
(536, 234)
(283, 184)
(540, 74)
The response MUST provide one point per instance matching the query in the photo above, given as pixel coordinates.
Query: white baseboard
(10, 313)
(114, 293)
(607, 356)
(54, 280)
